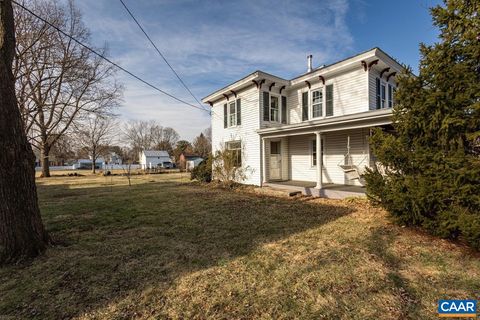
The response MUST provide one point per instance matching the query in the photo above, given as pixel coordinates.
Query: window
(317, 103)
(382, 95)
(390, 95)
(275, 147)
(314, 152)
(232, 114)
(274, 108)
(236, 148)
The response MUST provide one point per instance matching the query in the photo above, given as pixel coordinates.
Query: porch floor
(330, 190)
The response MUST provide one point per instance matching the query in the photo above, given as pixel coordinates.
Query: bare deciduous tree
(145, 135)
(59, 82)
(95, 135)
(22, 233)
(167, 139)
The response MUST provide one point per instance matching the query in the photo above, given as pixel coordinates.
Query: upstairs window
(274, 108)
(317, 103)
(231, 114)
(391, 90)
(382, 95)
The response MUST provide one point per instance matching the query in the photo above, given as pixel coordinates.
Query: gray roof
(156, 153)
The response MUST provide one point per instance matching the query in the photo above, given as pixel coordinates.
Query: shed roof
(156, 153)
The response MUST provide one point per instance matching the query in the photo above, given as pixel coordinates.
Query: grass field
(166, 248)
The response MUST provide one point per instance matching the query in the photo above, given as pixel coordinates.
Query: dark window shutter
(284, 109)
(304, 106)
(239, 122)
(377, 90)
(225, 116)
(266, 107)
(329, 102)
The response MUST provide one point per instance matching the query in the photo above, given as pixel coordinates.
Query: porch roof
(351, 121)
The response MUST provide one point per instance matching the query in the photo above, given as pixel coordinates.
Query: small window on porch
(314, 153)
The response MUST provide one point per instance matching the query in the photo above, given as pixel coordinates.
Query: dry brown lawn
(169, 249)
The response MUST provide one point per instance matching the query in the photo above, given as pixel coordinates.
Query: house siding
(350, 95)
(335, 147)
(246, 132)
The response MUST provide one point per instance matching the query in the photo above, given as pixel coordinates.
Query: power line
(106, 59)
(159, 52)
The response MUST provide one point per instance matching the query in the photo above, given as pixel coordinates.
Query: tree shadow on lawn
(380, 243)
(121, 241)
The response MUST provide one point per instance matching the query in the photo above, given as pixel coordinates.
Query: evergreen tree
(432, 162)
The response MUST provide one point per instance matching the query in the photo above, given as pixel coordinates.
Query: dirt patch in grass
(173, 249)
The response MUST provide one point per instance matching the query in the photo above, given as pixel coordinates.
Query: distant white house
(150, 159)
(114, 158)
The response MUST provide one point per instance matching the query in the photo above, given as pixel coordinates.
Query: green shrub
(202, 172)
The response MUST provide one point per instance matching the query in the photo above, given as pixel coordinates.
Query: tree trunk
(22, 233)
(94, 158)
(45, 160)
(93, 164)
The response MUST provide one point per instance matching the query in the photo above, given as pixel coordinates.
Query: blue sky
(213, 43)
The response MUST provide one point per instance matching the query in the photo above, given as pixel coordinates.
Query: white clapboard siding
(335, 150)
(246, 132)
(335, 147)
(350, 95)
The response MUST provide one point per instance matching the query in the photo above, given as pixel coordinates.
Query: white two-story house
(311, 131)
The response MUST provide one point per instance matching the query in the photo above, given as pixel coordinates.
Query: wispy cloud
(212, 43)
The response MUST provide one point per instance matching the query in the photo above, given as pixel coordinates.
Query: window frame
(311, 104)
(390, 95)
(237, 150)
(279, 114)
(270, 108)
(313, 156)
(230, 114)
(383, 94)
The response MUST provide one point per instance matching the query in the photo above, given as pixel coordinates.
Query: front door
(275, 160)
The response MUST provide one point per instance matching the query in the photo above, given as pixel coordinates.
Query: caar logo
(457, 308)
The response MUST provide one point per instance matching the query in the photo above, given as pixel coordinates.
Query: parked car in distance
(166, 165)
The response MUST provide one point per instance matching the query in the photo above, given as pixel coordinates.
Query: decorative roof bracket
(383, 71)
(391, 75)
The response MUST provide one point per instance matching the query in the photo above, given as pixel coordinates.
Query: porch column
(264, 161)
(319, 159)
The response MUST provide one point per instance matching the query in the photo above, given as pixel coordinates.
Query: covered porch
(324, 160)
